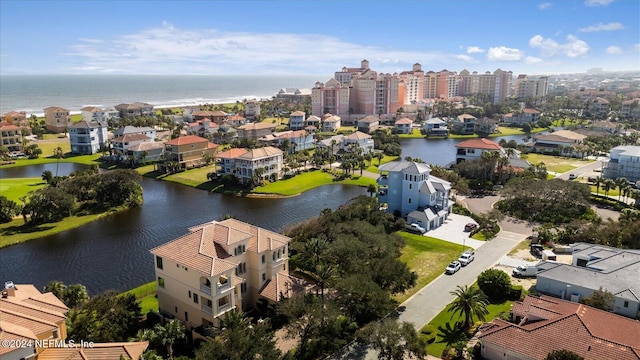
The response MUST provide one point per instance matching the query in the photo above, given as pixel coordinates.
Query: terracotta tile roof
(231, 153)
(531, 111)
(131, 137)
(260, 153)
(99, 351)
(35, 324)
(9, 331)
(589, 332)
(358, 135)
(146, 146)
(56, 109)
(482, 143)
(291, 134)
(16, 114)
(91, 108)
(404, 121)
(262, 239)
(283, 286)
(184, 140)
(209, 113)
(369, 119)
(88, 125)
(237, 117)
(298, 113)
(562, 135)
(7, 126)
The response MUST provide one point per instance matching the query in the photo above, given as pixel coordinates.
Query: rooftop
(481, 143)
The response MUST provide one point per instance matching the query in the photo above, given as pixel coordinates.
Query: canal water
(113, 252)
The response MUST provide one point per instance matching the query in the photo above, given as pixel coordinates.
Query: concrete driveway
(453, 231)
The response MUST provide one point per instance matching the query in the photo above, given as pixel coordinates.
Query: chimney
(10, 291)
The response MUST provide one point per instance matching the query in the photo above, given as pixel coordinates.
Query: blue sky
(317, 37)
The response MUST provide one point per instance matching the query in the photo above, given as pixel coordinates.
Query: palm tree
(167, 335)
(470, 302)
(371, 189)
(620, 183)
(608, 184)
(57, 288)
(58, 153)
(598, 182)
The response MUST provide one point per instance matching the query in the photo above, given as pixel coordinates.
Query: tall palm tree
(598, 182)
(620, 183)
(58, 153)
(608, 184)
(167, 335)
(470, 303)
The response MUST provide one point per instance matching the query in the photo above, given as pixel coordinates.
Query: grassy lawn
(556, 164)
(49, 145)
(282, 121)
(612, 192)
(15, 232)
(374, 163)
(428, 257)
(415, 134)
(444, 317)
(79, 159)
(146, 296)
(14, 188)
(523, 245)
(307, 181)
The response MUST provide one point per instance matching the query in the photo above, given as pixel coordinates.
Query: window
(190, 294)
(223, 301)
(161, 282)
(410, 186)
(158, 262)
(176, 308)
(186, 316)
(264, 276)
(409, 200)
(263, 259)
(626, 304)
(195, 298)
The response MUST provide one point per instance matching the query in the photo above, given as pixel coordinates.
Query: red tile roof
(123, 350)
(552, 324)
(231, 153)
(283, 286)
(184, 140)
(404, 121)
(482, 143)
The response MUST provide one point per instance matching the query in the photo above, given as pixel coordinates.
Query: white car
(415, 228)
(573, 176)
(466, 257)
(453, 267)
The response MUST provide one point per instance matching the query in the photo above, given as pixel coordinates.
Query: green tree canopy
(600, 299)
(494, 283)
(394, 340)
(563, 355)
(470, 303)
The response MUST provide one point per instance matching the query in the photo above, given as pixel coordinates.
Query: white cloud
(597, 2)
(544, 6)
(574, 47)
(474, 50)
(91, 41)
(170, 49)
(465, 58)
(614, 50)
(602, 27)
(530, 60)
(503, 53)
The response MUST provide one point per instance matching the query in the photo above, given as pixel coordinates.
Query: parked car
(415, 228)
(466, 257)
(573, 176)
(525, 271)
(470, 227)
(536, 250)
(453, 267)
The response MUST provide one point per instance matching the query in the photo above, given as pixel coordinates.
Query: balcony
(383, 180)
(205, 289)
(206, 309)
(224, 287)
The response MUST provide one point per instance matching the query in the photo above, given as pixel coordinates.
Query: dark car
(536, 250)
(470, 227)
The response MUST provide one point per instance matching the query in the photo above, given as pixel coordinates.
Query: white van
(548, 255)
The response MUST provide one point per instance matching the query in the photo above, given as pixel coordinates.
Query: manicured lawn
(556, 164)
(415, 134)
(283, 121)
(428, 257)
(79, 159)
(374, 163)
(444, 317)
(307, 181)
(49, 145)
(521, 246)
(193, 177)
(15, 232)
(612, 192)
(15, 188)
(146, 296)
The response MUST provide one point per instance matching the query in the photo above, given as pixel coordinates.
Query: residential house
(623, 162)
(298, 140)
(18, 118)
(594, 267)
(236, 120)
(561, 142)
(94, 113)
(486, 126)
(331, 123)
(88, 137)
(57, 119)
(608, 127)
(296, 120)
(472, 149)
(464, 124)
(187, 113)
(148, 151)
(368, 124)
(252, 110)
(37, 322)
(255, 130)
(188, 151)
(11, 137)
(314, 121)
(359, 140)
(599, 107)
(333, 144)
(202, 128)
(293, 94)
(435, 127)
(227, 134)
(631, 108)
(135, 109)
(266, 161)
(217, 116)
(144, 130)
(121, 144)
(408, 189)
(226, 161)
(222, 266)
(403, 126)
(543, 324)
(522, 117)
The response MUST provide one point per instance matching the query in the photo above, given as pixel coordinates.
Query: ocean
(34, 93)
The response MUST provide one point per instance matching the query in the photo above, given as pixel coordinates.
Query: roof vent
(9, 285)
